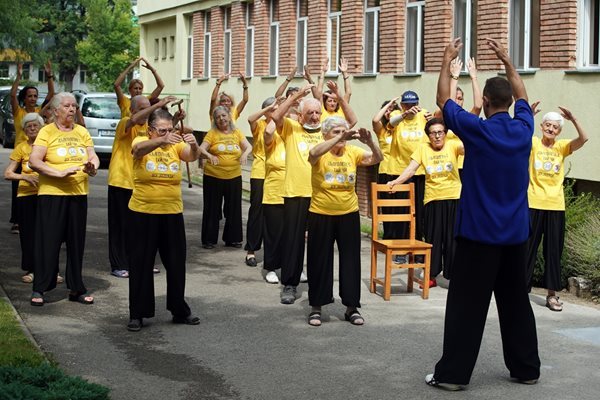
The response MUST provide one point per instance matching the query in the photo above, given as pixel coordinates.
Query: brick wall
(287, 36)
(391, 36)
(437, 32)
(261, 38)
(558, 36)
(492, 22)
(198, 35)
(317, 35)
(238, 38)
(351, 34)
(217, 45)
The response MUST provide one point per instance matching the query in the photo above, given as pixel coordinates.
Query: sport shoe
(453, 387)
(271, 277)
(251, 261)
(303, 277)
(398, 259)
(288, 294)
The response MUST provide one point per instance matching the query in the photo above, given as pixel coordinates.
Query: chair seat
(402, 244)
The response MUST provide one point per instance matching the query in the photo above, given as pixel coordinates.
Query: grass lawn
(15, 347)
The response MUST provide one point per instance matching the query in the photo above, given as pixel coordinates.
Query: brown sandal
(553, 303)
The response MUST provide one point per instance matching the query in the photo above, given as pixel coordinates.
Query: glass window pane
(369, 41)
(333, 55)
(273, 47)
(301, 44)
(227, 49)
(189, 57)
(249, 51)
(411, 39)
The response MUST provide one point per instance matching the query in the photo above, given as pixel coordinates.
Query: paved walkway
(249, 346)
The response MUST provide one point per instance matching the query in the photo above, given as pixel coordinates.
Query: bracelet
(455, 77)
(346, 78)
(288, 80)
(245, 87)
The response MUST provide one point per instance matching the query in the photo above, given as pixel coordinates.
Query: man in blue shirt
(492, 228)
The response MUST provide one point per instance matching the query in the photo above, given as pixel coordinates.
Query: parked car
(7, 127)
(101, 114)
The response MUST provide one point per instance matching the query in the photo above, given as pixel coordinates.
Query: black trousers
(440, 216)
(480, 269)
(58, 219)
(323, 232)
(254, 227)
(27, 211)
(419, 181)
(391, 230)
(551, 225)
(225, 195)
(119, 221)
(295, 215)
(14, 205)
(273, 236)
(150, 233)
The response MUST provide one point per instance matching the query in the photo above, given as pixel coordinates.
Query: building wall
(556, 82)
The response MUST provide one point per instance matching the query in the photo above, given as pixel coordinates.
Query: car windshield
(99, 107)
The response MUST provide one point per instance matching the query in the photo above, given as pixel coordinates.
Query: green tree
(18, 26)
(112, 41)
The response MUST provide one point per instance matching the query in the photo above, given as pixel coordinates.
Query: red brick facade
(558, 36)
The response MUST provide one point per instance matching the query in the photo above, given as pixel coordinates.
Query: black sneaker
(135, 325)
(189, 320)
(251, 261)
(288, 294)
(453, 387)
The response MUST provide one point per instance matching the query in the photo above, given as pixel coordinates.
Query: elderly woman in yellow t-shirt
(333, 217)
(27, 192)
(439, 158)
(226, 149)
(157, 219)
(63, 154)
(547, 200)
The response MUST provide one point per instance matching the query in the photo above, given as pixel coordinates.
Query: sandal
(155, 270)
(120, 273)
(59, 279)
(37, 299)
(354, 318)
(251, 260)
(553, 303)
(81, 298)
(27, 278)
(314, 318)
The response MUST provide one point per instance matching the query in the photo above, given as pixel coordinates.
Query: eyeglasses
(163, 131)
(437, 133)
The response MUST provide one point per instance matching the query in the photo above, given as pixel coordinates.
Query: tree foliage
(112, 41)
(18, 26)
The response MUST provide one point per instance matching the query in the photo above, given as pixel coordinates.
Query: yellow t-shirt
(120, 170)
(546, 174)
(21, 155)
(408, 135)
(326, 114)
(20, 136)
(275, 171)
(442, 181)
(226, 146)
(333, 181)
(385, 137)
(64, 150)
(451, 136)
(258, 150)
(125, 106)
(298, 143)
(157, 180)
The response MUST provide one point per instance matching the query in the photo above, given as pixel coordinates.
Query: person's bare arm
(160, 85)
(37, 163)
(14, 101)
(348, 111)
(269, 132)
(244, 101)
(121, 78)
(316, 152)
(191, 152)
(11, 175)
(405, 175)
(140, 117)
(518, 87)
(140, 149)
(247, 149)
(281, 89)
(443, 85)
(347, 87)
(215, 93)
(369, 157)
(477, 98)
(279, 114)
(376, 122)
(582, 136)
(204, 146)
(253, 119)
(315, 91)
(455, 69)
(50, 75)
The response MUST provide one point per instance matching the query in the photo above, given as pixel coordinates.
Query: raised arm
(369, 157)
(582, 137)
(244, 101)
(253, 119)
(192, 151)
(315, 91)
(376, 122)
(477, 98)
(316, 152)
(50, 77)
(443, 85)
(14, 101)
(512, 75)
(281, 89)
(347, 87)
(140, 149)
(215, 93)
(159, 83)
(348, 111)
(455, 69)
(269, 131)
(279, 114)
(119, 81)
(140, 117)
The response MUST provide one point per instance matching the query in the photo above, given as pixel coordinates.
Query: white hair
(58, 99)
(306, 102)
(333, 122)
(32, 117)
(554, 116)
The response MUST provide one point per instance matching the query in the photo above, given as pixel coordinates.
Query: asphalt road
(248, 346)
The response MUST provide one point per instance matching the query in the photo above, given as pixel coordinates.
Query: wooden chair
(410, 246)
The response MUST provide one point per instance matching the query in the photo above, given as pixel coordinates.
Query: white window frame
(465, 53)
(301, 53)
(249, 41)
(273, 41)
(207, 45)
(586, 27)
(520, 39)
(190, 48)
(331, 16)
(374, 67)
(227, 40)
(420, 6)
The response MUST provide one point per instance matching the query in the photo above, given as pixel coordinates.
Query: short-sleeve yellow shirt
(409, 134)
(21, 155)
(120, 170)
(326, 114)
(226, 146)
(546, 174)
(385, 137)
(442, 181)
(258, 150)
(275, 171)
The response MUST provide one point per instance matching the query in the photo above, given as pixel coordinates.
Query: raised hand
(343, 66)
(243, 78)
(472, 68)
(331, 85)
(534, 107)
(500, 51)
(292, 73)
(456, 66)
(222, 78)
(452, 49)
(47, 68)
(307, 75)
(568, 115)
(189, 139)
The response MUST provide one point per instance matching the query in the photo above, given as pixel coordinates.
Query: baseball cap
(409, 97)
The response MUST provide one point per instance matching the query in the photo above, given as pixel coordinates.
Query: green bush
(581, 254)
(45, 382)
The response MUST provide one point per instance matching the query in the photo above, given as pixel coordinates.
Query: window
(334, 8)
(465, 27)
(371, 45)
(249, 39)
(524, 33)
(273, 37)
(172, 47)
(26, 72)
(3, 70)
(207, 45)
(589, 34)
(156, 49)
(189, 65)
(82, 75)
(301, 33)
(414, 36)
(41, 75)
(164, 48)
(227, 40)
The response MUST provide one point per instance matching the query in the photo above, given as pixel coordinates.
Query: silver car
(101, 114)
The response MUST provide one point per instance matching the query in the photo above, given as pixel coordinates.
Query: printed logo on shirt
(351, 178)
(340, 178)
(282, 155)
(547, 166)
(302, 146)
(229, 147)
(72, 151)
(221, 147)
(388, 140)
(162, 167)
(556, 168)
(174, 167)
(429, 169)
(81, 151)
(150, 166)
(405, 134)
(329, 177)
(236, 147)
(449, 167)
(61, 151)
(537, 164)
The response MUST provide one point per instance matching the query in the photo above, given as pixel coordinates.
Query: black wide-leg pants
(150, 233)
(58, 219)
(254, 227)
(440, 216)
(391, 230)
(27, 210)
(273, 236)
(551, 225)
(479, 270)
(295, 215)
(225, 195)
(119, 221)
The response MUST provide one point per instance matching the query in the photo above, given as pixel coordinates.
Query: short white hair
(333, 122)
(554, 116)
(32, 117)
(58, 98)
(306, 102)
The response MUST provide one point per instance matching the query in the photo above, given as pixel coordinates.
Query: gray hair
(218, 109)
(554, 116)
(306, 102)
(32, 117)
(58, 99)
(268, 101)
(333, 122)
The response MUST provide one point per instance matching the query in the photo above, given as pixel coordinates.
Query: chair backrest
(404, 207)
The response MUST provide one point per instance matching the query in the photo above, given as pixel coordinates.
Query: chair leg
(410, 279)
(426, 272)
(387, 287)
(373, 269)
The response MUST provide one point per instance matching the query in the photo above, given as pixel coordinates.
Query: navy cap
(409, 97)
